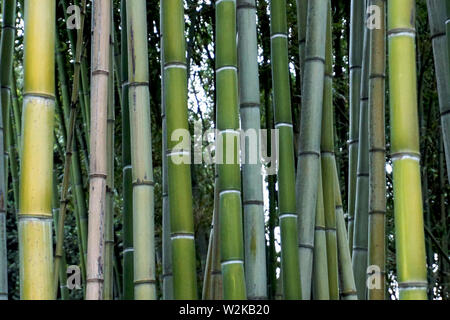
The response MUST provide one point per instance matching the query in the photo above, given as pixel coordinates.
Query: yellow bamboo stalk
(35, 204)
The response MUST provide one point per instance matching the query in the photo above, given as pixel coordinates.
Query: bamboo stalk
(302, 16)
(141, 152)
(35, 212)
(346, 277)
(109, 212)
(286, 174)
(310, 134)
(6, 57)
(98, 162)
(254, 237)
(216, 271)
(68, 156)
(229, 181)
(178, 154)
(409, 227)
(361, 214)
(356, 57)
(328, 161)
(127, 211)
(320, 289)
(377, 149)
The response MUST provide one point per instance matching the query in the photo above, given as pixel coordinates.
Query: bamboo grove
(227, 149)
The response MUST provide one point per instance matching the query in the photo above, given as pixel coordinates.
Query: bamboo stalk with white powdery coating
(35, 205)
(408, 207)
(310, 135)
(229, 181)
(178, 153)
(141, 152)
(254, 228)
(98, 160)
(377, 157)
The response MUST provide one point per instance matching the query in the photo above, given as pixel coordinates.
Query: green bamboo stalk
(13, 164)
(229, 181)
(108, 285)
(6, 57)
(216, 270)
(347, 280)
(309, 140)
(207, 276)
(302, 16)
(356, 57)
(127, 211)
(64, 291)
(69, 151)
(254, 240)
(320, 289)
(178, 154)
(101, 17)
(167, 246)
(15, 109)
(361, 214)
(327, 161)
(35, 212)
(447, 29)
(286, 174)
(437, 17)
(408, 207)
(141, 152)
(377, 149)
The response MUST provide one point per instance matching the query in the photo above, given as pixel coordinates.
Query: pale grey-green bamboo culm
(254, 225)
(438, 19)
(286, 172)
(361, 214)
(229, 181)
(6, 56)
(310, 135)
(178, 153)
(356, 50)
(141, 152)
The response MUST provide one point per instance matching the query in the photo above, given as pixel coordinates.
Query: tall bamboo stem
(141, 152)
(310, 134)
(229, 181)
(254, 240)
(409, 227)
(377, 149)
(178, 154)
(286, 174)
(35, 208)
(127, 211)
(98, 163)
(356, 56)
(6, 57)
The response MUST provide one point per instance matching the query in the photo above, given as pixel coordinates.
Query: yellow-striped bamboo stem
(286, 173)
(6, 57)
(356, 51)
(68, 156)
(327, 161)
(98, 163)
(346, 278)
(141, 152)
(320, 290)
(35, 206)
(109, 218)
(229, 181)
(178, 152)
(361, 213)
(377, 155)
(408, 207)
(309, 141)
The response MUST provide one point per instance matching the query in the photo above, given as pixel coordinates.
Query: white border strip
(127, 167)
(279, 35)
(230, 131)
(406, 157)
(184, 236)
(128, 250)
(175, 66)
(288, 215)
(229, 192)
(284, 125)
(402, 34)
(179, 153)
